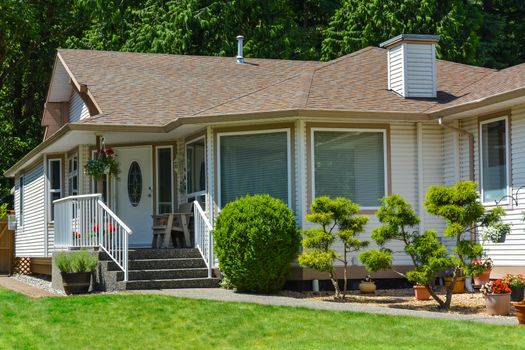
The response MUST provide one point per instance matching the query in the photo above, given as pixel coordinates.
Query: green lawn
(159, 322)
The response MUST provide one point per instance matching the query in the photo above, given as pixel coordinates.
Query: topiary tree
(337, 221)
(459, 206)
(256, 239)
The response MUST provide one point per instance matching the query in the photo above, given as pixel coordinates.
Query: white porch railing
(204, 237)
(85, 221)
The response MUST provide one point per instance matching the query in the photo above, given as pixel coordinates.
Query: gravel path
(38, 281)
(231, 296)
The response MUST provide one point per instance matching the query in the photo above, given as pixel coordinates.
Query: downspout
(468, 281)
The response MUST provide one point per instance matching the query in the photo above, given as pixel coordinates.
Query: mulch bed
(465, 303)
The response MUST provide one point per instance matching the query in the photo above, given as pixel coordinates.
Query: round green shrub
(256, 239)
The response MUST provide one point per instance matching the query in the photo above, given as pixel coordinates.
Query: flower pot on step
(367, 287)
(421, 292)
(520, 311)
(76, 282)
(459, 287)
(517, 294)
(498, 304)
(483, 278)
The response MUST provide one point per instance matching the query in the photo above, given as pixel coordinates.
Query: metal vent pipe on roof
(240, 57)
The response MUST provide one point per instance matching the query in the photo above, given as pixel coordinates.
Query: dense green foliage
(145, 321)
(463, 213)
(72, 262)
(336, 221)
(256, 239)
(488, 33)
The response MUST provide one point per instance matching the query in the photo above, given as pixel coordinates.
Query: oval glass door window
(134, 183)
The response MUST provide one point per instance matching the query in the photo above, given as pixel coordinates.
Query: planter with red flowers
(104, 163)
(481, 269)
(497, 297)
(517, 285)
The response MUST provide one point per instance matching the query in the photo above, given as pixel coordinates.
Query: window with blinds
(254, 163)
(351, 164)
(494, 159)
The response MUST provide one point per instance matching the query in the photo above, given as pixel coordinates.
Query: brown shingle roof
(153, 89)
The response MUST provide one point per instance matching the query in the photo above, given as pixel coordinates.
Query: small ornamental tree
(459, 206)
(256, 239)
(337, 221)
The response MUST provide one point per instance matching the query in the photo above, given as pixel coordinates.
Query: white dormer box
(412, 65)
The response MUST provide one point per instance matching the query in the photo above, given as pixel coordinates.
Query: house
(378, 121)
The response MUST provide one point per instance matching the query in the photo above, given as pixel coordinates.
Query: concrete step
(135, 275)
(134, 254)
(160, 264)
(173, 283)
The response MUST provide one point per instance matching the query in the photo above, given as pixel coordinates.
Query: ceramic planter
(76, 283)
(459, 287)
(520, 312)
(421, 292)
(517, 294)
(367, 287)
(498, 304)
(483, 278)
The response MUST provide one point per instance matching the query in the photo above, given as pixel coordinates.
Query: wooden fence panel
(6, 249)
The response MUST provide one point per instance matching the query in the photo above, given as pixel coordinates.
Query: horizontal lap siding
(433, 173)
(77, 108)
(420, 70)
(29, 238)
(397, 81)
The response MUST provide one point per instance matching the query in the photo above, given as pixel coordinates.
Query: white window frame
(269, 131)
(198, 193)
(21, 203)
(157, 177)
(505, 201)
(51, 190)
(72, 173)
(343, 130)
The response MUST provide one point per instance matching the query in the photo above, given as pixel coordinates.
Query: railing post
(210, 253)
(125, 262)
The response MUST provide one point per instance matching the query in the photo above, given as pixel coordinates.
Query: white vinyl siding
(396, 71)
(29, 237)
(77, 108)
(254, 163)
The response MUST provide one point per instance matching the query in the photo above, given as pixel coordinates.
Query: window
(72, 177)
(494, 160)
(254, 163)
(55, 184)
(350, 163)
(21, 201)
(164, 180)
(195, 170)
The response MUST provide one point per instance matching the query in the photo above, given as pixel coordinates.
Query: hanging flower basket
(104, 163)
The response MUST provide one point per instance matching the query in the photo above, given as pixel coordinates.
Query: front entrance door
(134, 193)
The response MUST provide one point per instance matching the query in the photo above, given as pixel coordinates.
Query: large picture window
(254, 163)
(55, 184)
(350, 163)
(494, 162)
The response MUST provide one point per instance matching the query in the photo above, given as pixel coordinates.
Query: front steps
(155, 269)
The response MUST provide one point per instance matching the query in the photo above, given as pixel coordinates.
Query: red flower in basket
(109, 152)
(111, 228)
(95, 228)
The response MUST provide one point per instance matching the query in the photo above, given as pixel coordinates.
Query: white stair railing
(204, 236)
(85, 221)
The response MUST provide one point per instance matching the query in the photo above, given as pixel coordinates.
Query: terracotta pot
(76, 283)
(483, 278)
(517, 294)
(498, 304)
(459, 287)
(520, 311)
(367, 287)
(421, 292)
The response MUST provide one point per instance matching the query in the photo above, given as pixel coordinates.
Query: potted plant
(520, 311)
(104, 163)
(459, 286)
(367, 286)
(517, 285)
(496, 234)
(76, 269)
(480, 270)
(421, 292)
(497, 297)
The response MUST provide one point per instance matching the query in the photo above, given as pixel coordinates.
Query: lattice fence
(22, 266)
